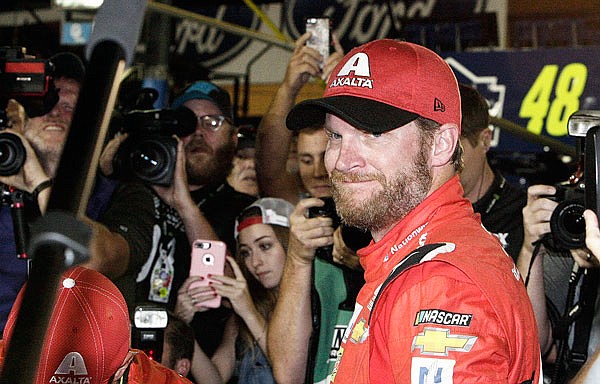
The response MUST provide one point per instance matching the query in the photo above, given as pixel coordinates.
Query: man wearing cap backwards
(46, 134)
(442, 301)
(88, 336)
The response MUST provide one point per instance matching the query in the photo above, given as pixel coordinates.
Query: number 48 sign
(537, 89)
(553, 97)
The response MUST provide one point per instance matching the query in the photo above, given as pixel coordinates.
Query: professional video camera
(150, 151)
(29, 81)
(567, 223)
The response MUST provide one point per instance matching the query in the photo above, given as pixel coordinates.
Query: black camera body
(22, 76)
(150, 151)
(567, 223)
(327, 210)
(353, 237)
(29, 81)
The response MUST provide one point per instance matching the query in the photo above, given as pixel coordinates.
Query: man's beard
(398, 198)
(213, 169)
(48, 156)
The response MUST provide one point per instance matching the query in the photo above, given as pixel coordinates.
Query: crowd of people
(430, 267)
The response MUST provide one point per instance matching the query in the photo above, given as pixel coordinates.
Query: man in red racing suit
(459, 315)
(442, 303)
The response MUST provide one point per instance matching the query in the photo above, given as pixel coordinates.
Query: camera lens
(568, 225)
(150, 160)
(12, 154)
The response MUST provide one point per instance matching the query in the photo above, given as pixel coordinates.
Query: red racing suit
(460, 314)
(144, 370)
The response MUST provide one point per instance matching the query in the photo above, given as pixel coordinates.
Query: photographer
(120, 240)
(43, 138)
(198, 204)
(547, 272)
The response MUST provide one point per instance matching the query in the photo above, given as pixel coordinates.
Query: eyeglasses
(213, 122)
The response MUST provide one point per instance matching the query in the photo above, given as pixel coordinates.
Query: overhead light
(78, 4)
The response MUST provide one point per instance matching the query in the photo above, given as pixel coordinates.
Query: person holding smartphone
(314, 337)
(261, 232)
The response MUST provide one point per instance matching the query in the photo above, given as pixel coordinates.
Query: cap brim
(365, 114)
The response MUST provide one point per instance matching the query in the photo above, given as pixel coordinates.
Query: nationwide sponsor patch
(441, 317)
(439, 341)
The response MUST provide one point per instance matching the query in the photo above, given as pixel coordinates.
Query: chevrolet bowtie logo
(438, 341)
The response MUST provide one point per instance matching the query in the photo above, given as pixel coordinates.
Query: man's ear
(486, 138)
(445, 141)
(182, 366)
(234, 134)
(121, 371)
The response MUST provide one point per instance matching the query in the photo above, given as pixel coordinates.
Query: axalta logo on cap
(359, 65)
(72, 370)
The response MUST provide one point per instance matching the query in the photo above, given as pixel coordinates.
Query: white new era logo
(72, 365)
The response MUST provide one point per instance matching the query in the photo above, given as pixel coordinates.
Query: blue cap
(205, 90)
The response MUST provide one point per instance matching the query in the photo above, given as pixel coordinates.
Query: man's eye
(333, 135)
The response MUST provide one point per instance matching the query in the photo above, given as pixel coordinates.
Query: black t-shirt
(501, 213)
(131, 214)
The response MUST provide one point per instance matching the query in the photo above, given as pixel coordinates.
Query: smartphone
(208, 257)
(320, 35)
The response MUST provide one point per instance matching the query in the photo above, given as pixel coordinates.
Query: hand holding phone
(208, 257)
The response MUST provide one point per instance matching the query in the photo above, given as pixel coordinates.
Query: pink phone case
(208, 257)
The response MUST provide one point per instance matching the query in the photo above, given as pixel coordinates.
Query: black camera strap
(583, 326)
(578, 315)
(536, 250)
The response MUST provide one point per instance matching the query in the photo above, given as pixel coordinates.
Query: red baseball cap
(382, 85)
(88, 335)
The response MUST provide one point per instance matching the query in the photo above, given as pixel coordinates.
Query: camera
(29, 81)
(12, 153)
(327, 210)
(150, 151)
(567, 225)
(353, 237)
(148, 331)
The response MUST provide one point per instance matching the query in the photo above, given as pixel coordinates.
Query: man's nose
(348, 155)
